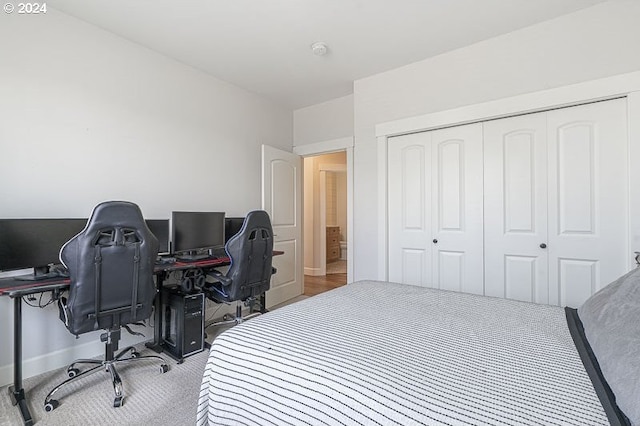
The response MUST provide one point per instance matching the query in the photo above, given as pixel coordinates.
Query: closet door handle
(435, 241)
(543, 246)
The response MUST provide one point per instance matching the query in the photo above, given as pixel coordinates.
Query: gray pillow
(611, 320)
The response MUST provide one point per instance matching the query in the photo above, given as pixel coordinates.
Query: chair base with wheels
(129, 354)
(238, 318)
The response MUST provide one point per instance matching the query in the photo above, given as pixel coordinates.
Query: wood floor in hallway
(319, 284)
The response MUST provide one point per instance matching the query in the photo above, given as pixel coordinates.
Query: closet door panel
(457, 208)
(409, 204)
(522, 279)
(578, 279)
(515, 205)
(588, 201)
(451, 270)
(450, 180)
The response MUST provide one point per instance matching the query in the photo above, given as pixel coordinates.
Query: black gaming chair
(249, 276)
(110, 265)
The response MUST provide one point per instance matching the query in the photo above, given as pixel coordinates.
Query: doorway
(325, 221)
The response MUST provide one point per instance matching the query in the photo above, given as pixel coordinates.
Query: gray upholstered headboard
(611, 321)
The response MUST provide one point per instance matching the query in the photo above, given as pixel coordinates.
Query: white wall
(322, 122)
(86, 116)
(596, 42)
(341, 203)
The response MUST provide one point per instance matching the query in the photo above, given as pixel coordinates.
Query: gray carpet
(150, 397)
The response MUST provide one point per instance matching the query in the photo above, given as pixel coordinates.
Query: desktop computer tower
(183, 323)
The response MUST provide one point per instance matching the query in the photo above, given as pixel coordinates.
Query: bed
(380, 353)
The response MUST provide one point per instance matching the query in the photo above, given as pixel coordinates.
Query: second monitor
(160, 228)
(232, 226)
(195, 233)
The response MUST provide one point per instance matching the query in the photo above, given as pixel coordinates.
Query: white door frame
(327, 147)
(624, 85)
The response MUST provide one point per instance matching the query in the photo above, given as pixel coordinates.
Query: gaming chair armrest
(218, 276)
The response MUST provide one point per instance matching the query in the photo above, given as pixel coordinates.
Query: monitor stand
(39, 273)
(192, 256)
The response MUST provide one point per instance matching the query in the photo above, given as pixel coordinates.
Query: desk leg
(156, 345)
(263, 303)
(16, 392)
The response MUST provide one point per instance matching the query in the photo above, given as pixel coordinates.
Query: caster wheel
(135, 354)
(73, 372)
(118, 401)
(164, 368)
(51, 405)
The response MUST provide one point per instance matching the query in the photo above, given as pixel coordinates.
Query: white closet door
(515, 206)
(409, 186)
(457, 217)
(588, 201)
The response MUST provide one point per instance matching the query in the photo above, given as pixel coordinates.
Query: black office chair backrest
(110, 264)
(251, 252)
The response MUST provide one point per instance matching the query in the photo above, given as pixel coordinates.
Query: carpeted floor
(151, 398)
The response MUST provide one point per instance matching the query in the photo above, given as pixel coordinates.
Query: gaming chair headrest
(119, 216)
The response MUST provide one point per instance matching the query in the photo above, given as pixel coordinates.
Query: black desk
(161, 271)
(16, 289)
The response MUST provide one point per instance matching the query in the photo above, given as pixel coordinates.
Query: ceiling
(264, 45)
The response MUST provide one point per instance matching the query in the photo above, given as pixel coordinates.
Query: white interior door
(282, 199)
(588, 199)
(457, 210)
(515, 206)
(409, 187)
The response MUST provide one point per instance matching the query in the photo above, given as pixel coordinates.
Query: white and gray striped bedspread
(375, 353)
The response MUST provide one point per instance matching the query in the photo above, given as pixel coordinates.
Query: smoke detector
(319, 48)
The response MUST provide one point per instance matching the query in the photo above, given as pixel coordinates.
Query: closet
(531, 207)
(435, 209)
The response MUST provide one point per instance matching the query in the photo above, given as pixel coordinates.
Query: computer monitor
(232, 226)
(160, 228)
(35, 243)
(193, 234)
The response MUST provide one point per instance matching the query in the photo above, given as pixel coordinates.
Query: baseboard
(313, 271)
(61, 358)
